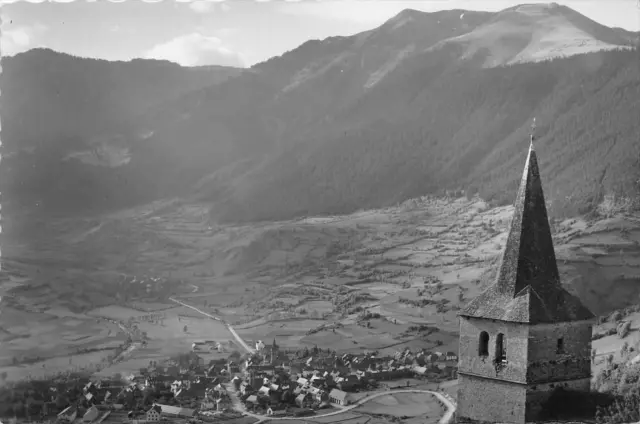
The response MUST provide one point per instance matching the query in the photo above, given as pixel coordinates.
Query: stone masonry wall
(538, 394)
(482, 400)
(516, 337)
(546, 365)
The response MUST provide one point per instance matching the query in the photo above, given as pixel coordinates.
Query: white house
(338, 397)
(420, 370)
(264, 390)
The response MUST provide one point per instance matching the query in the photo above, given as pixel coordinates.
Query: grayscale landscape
(174, 235)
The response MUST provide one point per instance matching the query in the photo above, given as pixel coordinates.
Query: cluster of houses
(270, 381)
(178, 390)
(277, 385)
(96, 415)
(344, 369)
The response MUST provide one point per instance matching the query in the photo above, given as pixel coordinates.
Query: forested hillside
(467, 129)
(79, 97)
(54, 105)
(418, 105)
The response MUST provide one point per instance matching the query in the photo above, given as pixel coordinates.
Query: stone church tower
(525, 335)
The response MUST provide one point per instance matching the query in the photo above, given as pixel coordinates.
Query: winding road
(235, 335)
(446, 418)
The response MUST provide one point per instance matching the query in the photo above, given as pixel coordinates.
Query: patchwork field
(172, 335)
(373, 280)
(42, 343)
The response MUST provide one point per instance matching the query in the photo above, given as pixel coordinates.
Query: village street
(446, 417)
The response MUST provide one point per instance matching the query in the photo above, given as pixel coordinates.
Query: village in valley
(255, 212)
(268, 382)
(371, 340)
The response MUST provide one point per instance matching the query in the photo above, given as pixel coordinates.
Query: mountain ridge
(285, 136)
(533, 32)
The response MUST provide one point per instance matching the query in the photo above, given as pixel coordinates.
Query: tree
(624, 349)
(616, 316)
(623, 329)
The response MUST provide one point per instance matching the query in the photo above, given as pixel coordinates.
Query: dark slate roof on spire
(527, 287)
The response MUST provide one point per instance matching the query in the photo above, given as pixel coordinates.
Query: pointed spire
(527, 287)
(529, 257)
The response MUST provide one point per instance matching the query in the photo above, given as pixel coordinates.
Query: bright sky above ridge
(231, 32)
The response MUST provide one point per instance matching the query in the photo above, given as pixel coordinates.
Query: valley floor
(375, 280)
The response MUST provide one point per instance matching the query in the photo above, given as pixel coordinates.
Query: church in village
(525, 336)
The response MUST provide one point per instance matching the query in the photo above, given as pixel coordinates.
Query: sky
(229, 32)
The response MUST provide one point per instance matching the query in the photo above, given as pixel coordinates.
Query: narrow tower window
(560, 345)
(483, 345)
(501, 349)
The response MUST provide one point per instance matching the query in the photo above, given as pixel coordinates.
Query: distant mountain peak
(402, 18)
(536, 32)
(407, 13)
(534, 6)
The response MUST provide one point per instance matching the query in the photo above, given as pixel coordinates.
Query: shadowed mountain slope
(411, 107)
(464, 129)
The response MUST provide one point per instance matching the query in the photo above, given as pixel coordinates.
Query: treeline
(422, 302)
(618, 382)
